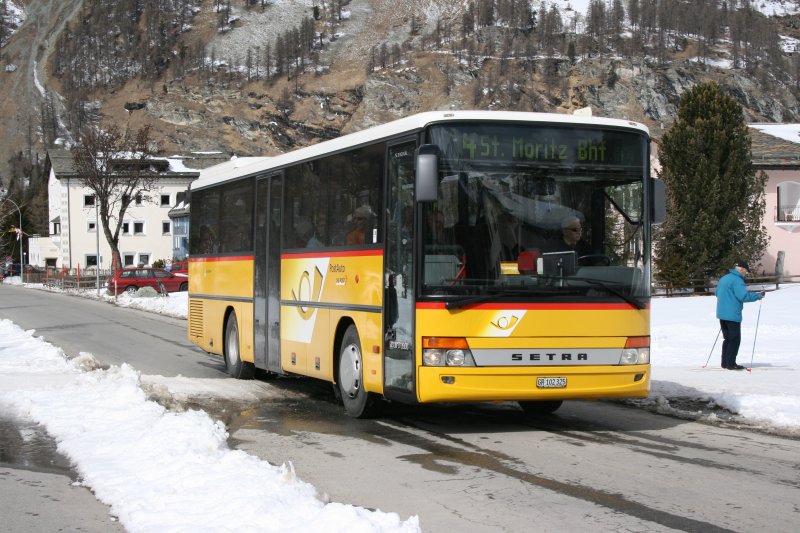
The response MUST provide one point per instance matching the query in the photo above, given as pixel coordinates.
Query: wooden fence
(68, 279)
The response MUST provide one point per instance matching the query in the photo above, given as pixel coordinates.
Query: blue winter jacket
(731, 296)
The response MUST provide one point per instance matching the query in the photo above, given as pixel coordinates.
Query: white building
(147, 233)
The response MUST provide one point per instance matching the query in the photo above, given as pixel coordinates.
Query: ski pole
(712, 348)
(758, 319)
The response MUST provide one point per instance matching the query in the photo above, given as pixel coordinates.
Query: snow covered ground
(683, 333)
(163, 470)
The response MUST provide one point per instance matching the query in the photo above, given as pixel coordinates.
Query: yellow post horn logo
(505, 322)
(304, 288)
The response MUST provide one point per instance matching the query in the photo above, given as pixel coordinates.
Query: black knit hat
(742, 264)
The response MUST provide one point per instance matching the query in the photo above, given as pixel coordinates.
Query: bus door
(267, 275)
(398, 317)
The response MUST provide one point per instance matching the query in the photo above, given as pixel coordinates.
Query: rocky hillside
(368, 61)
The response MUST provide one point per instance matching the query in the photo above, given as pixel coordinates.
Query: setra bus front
(532, 265)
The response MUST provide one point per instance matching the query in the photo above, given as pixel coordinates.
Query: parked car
(180, 267)
(131, 279)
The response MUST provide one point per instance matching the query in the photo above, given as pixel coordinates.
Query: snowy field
(163, 470)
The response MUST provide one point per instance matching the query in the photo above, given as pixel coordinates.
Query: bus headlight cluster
(635, 356)
(636, 351)
(446, 351)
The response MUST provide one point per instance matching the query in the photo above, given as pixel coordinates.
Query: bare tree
(116, 167)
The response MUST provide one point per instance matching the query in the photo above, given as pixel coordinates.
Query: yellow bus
(444, 257)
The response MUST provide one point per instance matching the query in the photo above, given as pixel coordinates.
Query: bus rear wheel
(542, 407)
(233, 362)
(358, 403)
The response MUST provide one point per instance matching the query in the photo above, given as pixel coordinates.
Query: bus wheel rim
(232, 350)
(350, 370)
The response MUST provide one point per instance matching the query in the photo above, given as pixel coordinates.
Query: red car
(180, 267)
(131, 279)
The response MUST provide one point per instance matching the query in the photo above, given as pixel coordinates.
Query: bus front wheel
(233, 362)
(543, 407)
(358, 403)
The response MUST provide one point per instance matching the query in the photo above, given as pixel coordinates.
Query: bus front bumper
(454, 384)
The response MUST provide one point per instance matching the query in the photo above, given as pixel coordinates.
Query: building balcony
(788, 213)
(788, 218)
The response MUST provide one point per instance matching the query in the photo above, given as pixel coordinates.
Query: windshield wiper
(613, 290)
(544, 291)
(458, 304)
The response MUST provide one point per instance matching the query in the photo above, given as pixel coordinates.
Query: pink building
(776, 151)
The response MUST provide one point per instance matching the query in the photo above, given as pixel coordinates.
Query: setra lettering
(564, 356)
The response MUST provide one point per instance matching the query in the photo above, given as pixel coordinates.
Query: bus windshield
(545, 212)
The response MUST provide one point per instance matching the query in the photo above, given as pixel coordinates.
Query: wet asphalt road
(154, 344)
(39, 487)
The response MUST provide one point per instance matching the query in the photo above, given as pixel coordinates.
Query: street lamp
(21, 266)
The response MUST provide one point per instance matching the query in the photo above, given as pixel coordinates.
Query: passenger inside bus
(206, 241)
(317, 239)
(305, 233)
(361, 217)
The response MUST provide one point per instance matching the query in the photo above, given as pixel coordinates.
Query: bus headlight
(446, 351)
(433, 357)
(455, 357)
(636, 351)
(635, 356)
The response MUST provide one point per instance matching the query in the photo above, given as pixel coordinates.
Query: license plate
(551, 383)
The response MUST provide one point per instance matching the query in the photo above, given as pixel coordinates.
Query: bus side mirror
(427, 183)
(658, 213)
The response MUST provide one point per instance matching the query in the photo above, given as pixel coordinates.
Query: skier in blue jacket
(732, 293)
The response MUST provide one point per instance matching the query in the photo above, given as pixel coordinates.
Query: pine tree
(715, 198)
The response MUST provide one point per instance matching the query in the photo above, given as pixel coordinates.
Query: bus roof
(231, 170)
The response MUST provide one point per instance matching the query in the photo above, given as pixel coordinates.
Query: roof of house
(776, 146)
(180, 209)
(177, 165)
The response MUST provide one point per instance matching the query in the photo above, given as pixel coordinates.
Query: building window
(91, 261)
(138, 199)
(126, 228)
(57, 228)
(138, 228)
(788, 202)
(88, 200)
(165, 200)
(91, 226)
(144, 259)
(128, 259)
(165, 227)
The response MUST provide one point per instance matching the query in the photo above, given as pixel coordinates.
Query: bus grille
(195, 318)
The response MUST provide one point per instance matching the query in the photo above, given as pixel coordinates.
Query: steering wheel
(599, 257)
